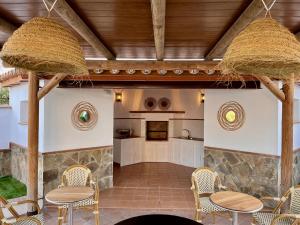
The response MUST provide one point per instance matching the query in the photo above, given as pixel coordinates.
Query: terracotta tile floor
(144, 188)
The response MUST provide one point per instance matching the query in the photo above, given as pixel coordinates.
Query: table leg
(235, 218)
(70, 214)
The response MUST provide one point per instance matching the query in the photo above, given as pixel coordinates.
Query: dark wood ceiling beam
(250, 13)
(151, 65)
(6, 27)
(64, 10)
(158, 9)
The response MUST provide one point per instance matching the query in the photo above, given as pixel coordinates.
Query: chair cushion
(207, 206)
(264, 218)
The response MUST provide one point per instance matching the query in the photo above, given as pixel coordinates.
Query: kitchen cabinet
(128, 151)
(187, 152)
(179, 151)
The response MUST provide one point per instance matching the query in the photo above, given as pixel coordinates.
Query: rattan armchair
(204, 183)
(272, 216)
(79, 175)
(15, 218)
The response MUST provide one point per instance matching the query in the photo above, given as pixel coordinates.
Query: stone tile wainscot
(252, 173)
(98, 159)
(5, 159)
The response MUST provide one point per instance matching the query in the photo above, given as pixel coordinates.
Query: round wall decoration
(84, 116)
(231, 116)
(164, 103)
(150, 103)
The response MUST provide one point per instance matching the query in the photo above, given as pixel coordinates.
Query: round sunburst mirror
(231, 116)
(84, 116)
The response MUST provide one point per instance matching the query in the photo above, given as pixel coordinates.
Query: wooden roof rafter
(158, 9)
(65, 11)
(248, 15)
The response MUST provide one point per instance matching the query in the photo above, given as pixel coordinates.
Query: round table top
(236, 201)
(67, 195)
(158, 219)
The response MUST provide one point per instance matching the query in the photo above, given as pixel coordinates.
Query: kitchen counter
(191, 139)
(127, 137)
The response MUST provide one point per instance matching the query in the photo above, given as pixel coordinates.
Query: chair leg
(213, 217)
(60, 216)
(97, 215)
(198, 216)
(65, 212)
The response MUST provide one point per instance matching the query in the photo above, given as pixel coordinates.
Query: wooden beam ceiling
(64, 10)
(250, 13)
(6, 27)
(158, 9)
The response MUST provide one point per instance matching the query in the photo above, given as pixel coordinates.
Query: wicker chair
(79, 175)
(15, 218)
(272, 216)
(204, 182)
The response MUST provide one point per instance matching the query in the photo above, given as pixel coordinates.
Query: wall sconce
(118, 97)
(202, 97)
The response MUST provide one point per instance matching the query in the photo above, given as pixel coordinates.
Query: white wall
(18, 132)
(181, 99)
(187, 100)
(260, 131)
(59, 133)
(297, 118)
(5, 121)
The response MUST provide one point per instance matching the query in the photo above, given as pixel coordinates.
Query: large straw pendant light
(264, 48)
(44, 45)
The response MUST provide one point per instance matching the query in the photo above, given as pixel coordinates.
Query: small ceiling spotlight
(118, 96)
(146, 71)
(130, 71)
(210, 71)
(194, 71)
(114, 71)
(98, 71)
(162, 72)
(178, 71)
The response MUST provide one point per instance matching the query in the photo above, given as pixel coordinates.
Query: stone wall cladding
(5, 161)
(296, 169)
(251, 173)
(19, 165)
(99, 160)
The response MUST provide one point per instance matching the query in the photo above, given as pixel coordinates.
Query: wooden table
(236, 202)
(158, 219)
(68, 196)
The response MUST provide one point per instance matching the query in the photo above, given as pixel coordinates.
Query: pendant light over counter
(44, 45)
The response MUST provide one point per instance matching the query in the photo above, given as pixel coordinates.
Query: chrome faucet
(189, 133)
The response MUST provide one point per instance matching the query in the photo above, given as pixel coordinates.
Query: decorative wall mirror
(231, 116)
(84, 116)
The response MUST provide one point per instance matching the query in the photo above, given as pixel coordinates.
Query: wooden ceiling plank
(6, 27)
(151, 65)
(158, 9)
(250, 13)
(64, 10)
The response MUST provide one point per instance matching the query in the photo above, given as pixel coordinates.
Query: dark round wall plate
(150, 103)
(164, 103)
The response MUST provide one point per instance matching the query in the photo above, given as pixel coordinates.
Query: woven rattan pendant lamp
(44, 45)
(264, 48)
